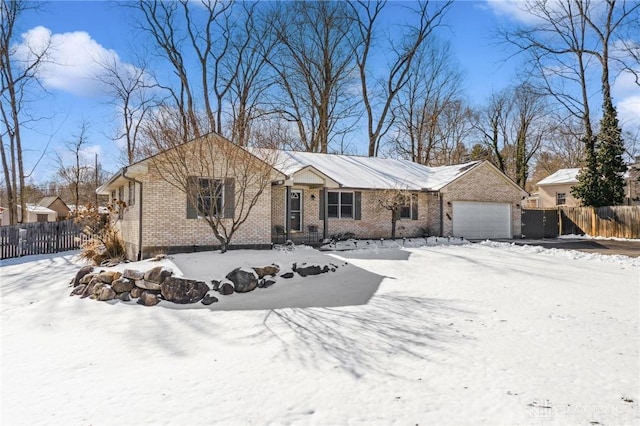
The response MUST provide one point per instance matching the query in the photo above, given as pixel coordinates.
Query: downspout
(441, 213)
(124, 175)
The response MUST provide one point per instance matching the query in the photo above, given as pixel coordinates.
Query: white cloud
(513, 9)
(73, 60)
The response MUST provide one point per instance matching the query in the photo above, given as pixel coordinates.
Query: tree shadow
(389, 329)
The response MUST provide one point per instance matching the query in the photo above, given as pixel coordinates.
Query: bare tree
(180, 33)
(429, 118)
(395, 200)
(222, 182)
(314, 64)
(247, 73)
(131, 88)
(514, 127)
(397, 74)
(78, 172)
(17, 74)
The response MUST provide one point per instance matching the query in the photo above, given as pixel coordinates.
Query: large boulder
(244, 280)
(157, 274)
(136, 292)
(122, 285)
(148, 299)
(267, 270)
(148, 285)
(81, 273)
(182, 290)
(133, 274)
(90, 287)
(87, 278)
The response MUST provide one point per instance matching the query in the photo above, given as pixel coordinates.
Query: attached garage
(480, 220)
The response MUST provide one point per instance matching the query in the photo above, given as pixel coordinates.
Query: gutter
(130, 179)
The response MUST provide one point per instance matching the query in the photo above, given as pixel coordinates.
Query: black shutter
(357, 202)
(414, 207)
(229, 198)
(192, 194)
(321, 213)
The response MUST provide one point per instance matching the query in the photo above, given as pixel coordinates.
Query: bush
(104, 244)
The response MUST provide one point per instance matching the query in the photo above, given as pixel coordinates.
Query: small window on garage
(42, 218)
(561, 199)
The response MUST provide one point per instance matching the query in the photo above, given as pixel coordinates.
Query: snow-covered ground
(444, 334)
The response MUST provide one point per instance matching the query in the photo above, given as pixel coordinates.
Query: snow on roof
(371, 172)
(34, 208)
(561, 176)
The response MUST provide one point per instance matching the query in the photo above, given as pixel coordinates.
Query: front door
(296, 210)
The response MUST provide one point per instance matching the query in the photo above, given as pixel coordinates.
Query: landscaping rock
(105, 293)
(208, 299)
(157, 275)
(148, 285)
(90, 288)
(81, 274)
(148, 299)
(243, 280)
(267, 270)
(125, 297)
(226, 288)
(182, 290)
(136, 292)
(266, 283)
(87, 278)
(109, 276)
(133, 274)
(287, 275)
(215, 284)
(312, 270)
(122, 285)
(78, 290)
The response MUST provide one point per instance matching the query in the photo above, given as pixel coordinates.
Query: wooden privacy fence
(40, 238)
(618, 221)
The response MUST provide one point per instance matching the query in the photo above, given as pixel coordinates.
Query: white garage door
(473, 220)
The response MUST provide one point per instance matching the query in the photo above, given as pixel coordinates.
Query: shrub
(104, 244)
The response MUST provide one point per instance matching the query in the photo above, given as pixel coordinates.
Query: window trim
(339, 205)
(413, 201)
(564, 199)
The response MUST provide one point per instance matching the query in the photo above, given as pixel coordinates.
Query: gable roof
(361, 172)
(48, 201)
(562, 176)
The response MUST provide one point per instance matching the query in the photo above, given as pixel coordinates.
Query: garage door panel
(479, 220)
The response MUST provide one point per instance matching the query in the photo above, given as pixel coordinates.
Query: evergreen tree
(587, 190)
(610, 161)
(601, 181)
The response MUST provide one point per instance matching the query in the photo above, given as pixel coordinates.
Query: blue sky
(85, 28)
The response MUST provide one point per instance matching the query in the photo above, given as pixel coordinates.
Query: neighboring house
(55, 203)
(35, 213)
(555, 189)
(319, 196)
(2, 218)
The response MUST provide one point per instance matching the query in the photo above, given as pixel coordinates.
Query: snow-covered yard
(450, 334)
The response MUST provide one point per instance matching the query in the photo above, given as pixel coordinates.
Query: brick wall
(375, 221)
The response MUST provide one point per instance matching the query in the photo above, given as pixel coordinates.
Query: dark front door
(296, 210)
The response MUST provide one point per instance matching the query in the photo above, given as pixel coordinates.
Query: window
(410, 210)
(42, 217)
(121, 202)
(132, 193)
(210, 196)
(560, 199)
(340, 204)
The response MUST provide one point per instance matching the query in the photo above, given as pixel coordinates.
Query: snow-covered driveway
(480, 333)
